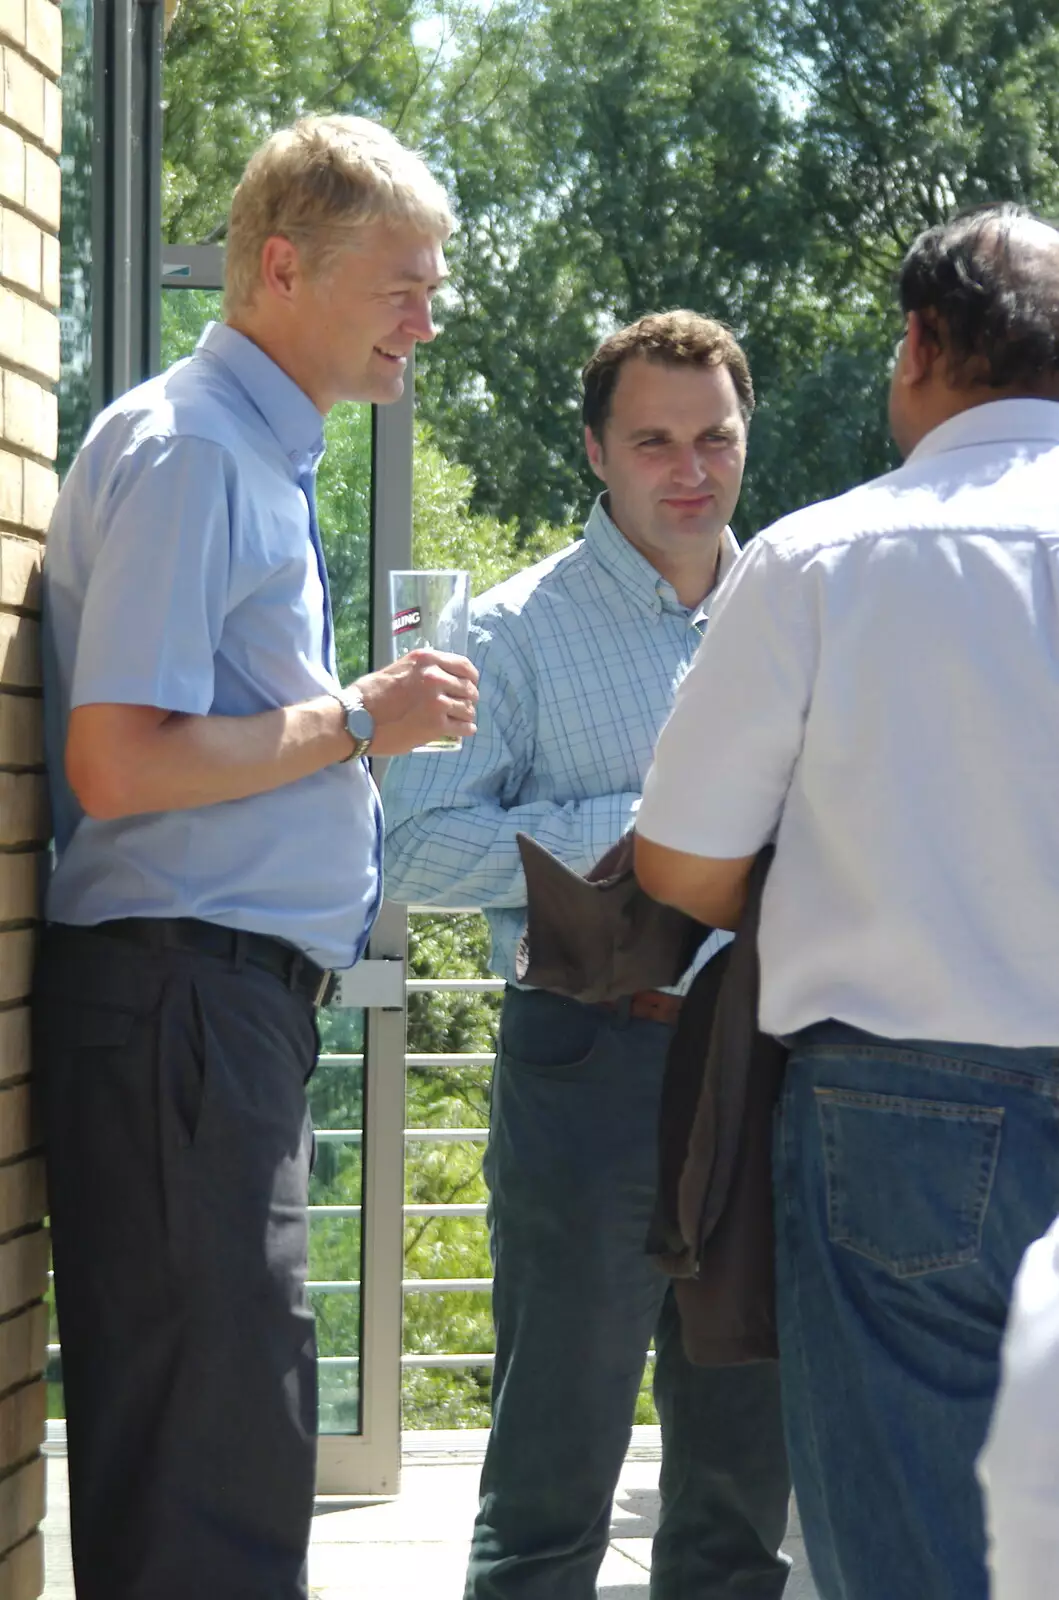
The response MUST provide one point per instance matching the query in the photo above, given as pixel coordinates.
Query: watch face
(361, 724)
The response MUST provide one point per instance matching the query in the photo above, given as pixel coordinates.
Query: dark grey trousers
(172, 1086)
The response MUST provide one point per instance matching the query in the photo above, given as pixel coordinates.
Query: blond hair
(316, 184)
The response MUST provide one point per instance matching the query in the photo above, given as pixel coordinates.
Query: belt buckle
(325, 989)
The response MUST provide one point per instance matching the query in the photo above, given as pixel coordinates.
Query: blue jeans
(909, 1180)
(571, 1167)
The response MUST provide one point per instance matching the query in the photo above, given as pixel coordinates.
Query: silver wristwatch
(360, 724)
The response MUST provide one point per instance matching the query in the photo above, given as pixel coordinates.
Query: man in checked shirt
(579, 659)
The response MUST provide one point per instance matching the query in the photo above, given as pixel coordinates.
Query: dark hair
(673, 338)
(989, 293)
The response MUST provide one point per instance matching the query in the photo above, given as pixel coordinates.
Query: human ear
(921, 350)
(281, 269)
(594, 451)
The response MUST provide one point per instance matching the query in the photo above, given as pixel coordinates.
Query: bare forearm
(126, 760)
(177, 762)
(712, 891)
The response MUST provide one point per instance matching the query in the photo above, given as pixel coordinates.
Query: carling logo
(405, 621)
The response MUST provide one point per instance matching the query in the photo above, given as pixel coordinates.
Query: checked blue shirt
(580, 657)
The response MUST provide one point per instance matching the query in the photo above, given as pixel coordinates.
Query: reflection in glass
(75, 233)
(75, 333)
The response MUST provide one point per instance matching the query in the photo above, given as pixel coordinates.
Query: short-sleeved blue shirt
(180, 573)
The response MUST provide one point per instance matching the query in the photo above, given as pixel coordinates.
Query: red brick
(44, 35)
(17, 949)
(14, 1043)
(23, 1202)
(23, 1271)
(21, 732)
(24, 1341)
(19, 558)
(23, 808)
(19, 651)
(19, 878)
(22, 1571)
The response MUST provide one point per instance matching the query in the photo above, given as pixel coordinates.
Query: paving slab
(415, 1545)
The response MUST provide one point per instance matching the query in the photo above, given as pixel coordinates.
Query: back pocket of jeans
(908, 1181)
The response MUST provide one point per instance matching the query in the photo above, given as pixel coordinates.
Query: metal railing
(418, 1062)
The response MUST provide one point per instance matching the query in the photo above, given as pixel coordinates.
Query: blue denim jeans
(909, 1180)
(571, 1167)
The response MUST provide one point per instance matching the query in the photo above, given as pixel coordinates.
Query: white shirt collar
(995, 422)
(729, 554)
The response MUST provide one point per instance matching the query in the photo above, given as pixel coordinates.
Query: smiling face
(359, 321)
(672, 454)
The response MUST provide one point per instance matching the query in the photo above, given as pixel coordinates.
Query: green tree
(767, 163)
(235, 70)
(637, 162)
(75, 236)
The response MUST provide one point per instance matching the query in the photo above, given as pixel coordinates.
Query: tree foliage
(766, 163)
(238, 69)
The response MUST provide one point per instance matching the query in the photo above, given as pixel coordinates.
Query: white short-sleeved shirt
(879, 688)
(1019, 1464)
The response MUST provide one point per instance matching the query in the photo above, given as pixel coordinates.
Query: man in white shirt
(894, 725)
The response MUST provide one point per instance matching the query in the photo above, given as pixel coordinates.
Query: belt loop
(239, 949)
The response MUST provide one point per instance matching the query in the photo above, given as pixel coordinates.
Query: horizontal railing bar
(455, 985)
(408, 1285)
(481, 1360)
(476, 1059)
(409, 1211)
(446, 1135)
(430, 1063)
(424, 1135)
(476, 1210)
(415, 1361)
(446, 1285)
(444, 911)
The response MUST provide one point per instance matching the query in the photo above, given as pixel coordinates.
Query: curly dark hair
(672, 338)
(986, 286)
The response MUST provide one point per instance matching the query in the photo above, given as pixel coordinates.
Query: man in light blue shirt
(217, 839)
(580, 658)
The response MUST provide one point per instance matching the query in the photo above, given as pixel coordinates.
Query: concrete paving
(416, 1545)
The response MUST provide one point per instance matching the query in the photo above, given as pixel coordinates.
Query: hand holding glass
(430, 611)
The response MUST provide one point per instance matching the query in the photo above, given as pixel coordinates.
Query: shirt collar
(286, 408)
(995, 422)
(642, 582)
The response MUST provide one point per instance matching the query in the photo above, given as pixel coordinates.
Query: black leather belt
(295, 970)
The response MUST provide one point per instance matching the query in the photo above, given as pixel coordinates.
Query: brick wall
(30, 122)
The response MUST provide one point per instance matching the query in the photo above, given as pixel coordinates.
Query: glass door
(357, 1094)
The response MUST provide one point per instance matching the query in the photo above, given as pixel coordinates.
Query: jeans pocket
(908, 1181)
(549, 1034)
